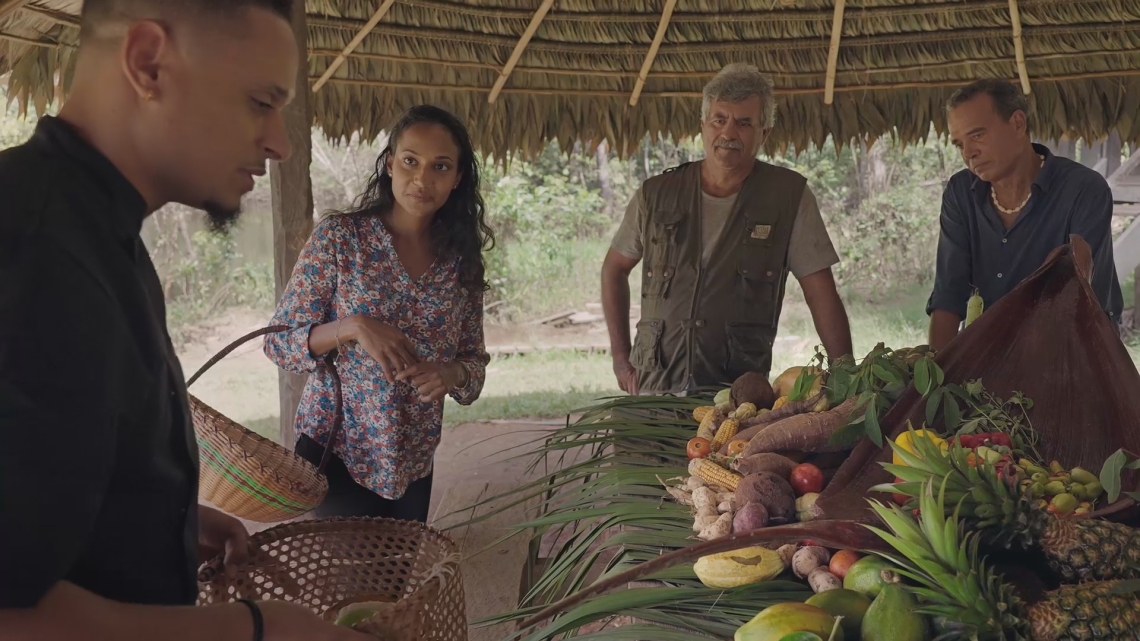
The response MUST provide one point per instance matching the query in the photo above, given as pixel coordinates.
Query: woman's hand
(434, 380)
(386, 344)
(220, 533)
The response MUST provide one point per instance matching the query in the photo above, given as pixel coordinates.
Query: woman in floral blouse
(396, 287)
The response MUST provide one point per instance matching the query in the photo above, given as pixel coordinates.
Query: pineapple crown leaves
(953, 582)
(984, 499)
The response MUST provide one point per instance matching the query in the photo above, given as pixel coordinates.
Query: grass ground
(551, 384)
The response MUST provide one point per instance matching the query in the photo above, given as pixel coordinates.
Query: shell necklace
(1010, 212)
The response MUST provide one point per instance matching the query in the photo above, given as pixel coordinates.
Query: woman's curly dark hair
(460, 227)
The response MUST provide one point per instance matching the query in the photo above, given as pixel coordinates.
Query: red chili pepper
(968, 441)
(1000, 438)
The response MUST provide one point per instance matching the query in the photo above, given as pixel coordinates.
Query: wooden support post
(833, 52)
(535, 20)
(1018, 47)
(353, 44)
(662, 26)
(1113, 150)
(291, 193)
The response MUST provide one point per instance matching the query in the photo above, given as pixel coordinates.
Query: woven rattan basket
(250, 476)
(330, 563)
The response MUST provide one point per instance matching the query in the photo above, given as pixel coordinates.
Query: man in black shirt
(1013, 204)
(100, 529)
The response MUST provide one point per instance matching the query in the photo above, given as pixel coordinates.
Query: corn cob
(714, 474)
(701, 412)
(746, 410)
(728, 429)
(708, 426)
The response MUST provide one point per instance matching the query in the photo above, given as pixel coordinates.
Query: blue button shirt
(976, 250)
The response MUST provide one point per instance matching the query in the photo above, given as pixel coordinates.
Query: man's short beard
(220, 220)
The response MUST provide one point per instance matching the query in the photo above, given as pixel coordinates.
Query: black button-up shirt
(976, 250)
(98, 461)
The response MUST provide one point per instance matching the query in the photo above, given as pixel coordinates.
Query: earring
(149, 96)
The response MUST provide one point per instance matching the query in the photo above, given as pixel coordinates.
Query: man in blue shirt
(1013, 204)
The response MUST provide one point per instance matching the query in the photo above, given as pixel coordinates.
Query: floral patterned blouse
(349, 266)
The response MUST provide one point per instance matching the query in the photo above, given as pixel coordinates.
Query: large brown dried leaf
(1048, 339)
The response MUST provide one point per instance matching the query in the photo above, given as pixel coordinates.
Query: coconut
(753, 387)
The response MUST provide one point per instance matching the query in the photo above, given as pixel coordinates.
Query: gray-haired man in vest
(719, 237)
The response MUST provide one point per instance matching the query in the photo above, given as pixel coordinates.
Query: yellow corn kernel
(728, 429)
(714, 474)
(701, 412)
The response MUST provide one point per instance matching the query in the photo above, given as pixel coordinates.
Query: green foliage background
(554, 218)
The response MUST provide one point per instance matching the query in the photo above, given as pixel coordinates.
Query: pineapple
(1078, 549)
(970, 601)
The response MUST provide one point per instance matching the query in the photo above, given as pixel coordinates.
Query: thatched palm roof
(895, 63)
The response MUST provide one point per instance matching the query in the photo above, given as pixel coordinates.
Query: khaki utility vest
(708, 325)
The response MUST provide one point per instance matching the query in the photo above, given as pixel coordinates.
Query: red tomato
(806, 478)
(698, 448)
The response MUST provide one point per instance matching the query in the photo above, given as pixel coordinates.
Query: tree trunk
(871, 169)
(603, 160)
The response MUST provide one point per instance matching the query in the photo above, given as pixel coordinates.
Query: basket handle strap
(330, 360)
(234, 345)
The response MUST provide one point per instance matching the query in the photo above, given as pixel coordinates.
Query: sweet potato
(752, 426)
(804, 432)
(765, 462)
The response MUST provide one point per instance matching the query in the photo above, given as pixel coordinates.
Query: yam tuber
(681, 496)
(786, 553)
(704, 497)
(702, 522)
(693, 483)
(779, 465)
(720, 528)
(804, 432)
(821, 580)
(809, 558)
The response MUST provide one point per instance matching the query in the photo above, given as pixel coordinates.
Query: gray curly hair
(738, 82)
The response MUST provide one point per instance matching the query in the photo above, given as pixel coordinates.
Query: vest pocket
(748, 348)
(646, 352)
(759, 288)
(661, 252)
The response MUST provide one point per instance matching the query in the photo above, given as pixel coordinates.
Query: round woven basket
(330, 563)
(246, 474)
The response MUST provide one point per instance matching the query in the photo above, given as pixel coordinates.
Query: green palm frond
(601, 498)
(952, 580)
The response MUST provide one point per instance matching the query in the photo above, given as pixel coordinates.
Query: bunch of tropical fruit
(935, 582)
